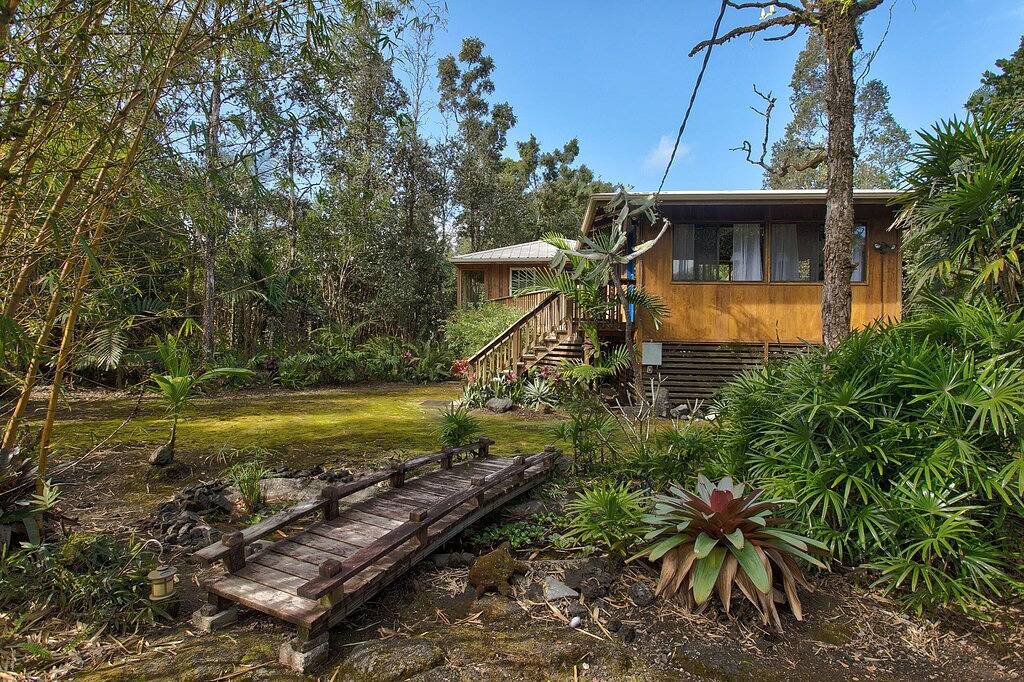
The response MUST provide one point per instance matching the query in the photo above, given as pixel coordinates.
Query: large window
(717, 253)
(797, 252)
(520, 278)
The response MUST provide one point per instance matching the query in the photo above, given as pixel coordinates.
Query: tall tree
(881, 145)
(836, 21)
(464, 84)
(1003, 89)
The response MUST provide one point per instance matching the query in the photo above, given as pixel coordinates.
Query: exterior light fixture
(161, 583)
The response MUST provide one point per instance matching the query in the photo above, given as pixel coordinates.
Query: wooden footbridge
(319, 573)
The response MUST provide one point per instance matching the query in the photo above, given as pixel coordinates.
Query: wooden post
(421, 532)
(484, 447)
(330, 495)
(519, 462)
(478, 501)
(552, 452)
(446, 459)
(398, 477)
(235, 559)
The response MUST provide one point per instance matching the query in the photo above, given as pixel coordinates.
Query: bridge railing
(330, 585)
(231, 547)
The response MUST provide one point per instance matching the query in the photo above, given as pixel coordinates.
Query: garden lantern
(161, 582)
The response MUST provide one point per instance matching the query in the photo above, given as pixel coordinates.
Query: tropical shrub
(721, 536)
(662, 456)
(179, 382)
(247, 476)
(458, 427)
(470, 329)
(607, 515)
(94, 578)
(964, 208)
(586, 431)
(901, 447)
(22, 510)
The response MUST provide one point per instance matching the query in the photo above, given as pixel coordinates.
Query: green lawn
(310, 426)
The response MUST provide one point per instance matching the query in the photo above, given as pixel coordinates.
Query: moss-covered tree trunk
(840, 34)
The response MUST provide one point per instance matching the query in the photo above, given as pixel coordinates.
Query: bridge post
(446, 459)
(519, 462)
(330, 495)
(422, 531)
(478, 501)
(398, 477)
(484, 447)
(235, 559)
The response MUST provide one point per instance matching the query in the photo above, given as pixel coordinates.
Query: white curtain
(746, 252)
(682, 253)
(785, 253)
(859, 237)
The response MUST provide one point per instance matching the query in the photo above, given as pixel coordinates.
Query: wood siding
(757, 312)
(496, 278)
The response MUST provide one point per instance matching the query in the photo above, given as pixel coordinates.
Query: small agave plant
(720, 537)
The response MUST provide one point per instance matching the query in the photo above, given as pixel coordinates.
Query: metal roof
(756, 195)
(530, 252)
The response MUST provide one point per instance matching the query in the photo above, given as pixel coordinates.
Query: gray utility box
(650, 354)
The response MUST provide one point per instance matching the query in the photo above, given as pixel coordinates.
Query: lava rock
(389, 660)
(499, 405)
(556, 589)
(641, 594)
(680, 411)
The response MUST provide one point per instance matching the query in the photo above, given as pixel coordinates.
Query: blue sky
(616, 75)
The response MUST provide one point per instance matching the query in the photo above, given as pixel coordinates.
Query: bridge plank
(277, 603)
(331, 543)
(286, 564)
(311, 555)
(379, 520)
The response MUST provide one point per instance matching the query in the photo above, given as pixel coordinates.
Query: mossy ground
(355, 428)
(310, 425)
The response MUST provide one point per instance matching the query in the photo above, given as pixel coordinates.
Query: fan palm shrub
(964, 208)
(901, 447)
(724, 536)
(607, 515)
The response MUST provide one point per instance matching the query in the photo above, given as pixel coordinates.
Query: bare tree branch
(787, 166)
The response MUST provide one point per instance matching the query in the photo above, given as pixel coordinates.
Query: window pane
(705, 253)
(747, 252)
(472, 287)
(717, 253)
(682, 253)
(520, 278)
(798, 253)
(859, 244)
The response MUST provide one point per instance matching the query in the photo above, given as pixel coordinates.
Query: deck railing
(524, 303)
(553, 314)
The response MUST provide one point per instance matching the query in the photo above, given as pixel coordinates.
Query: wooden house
(741, 273)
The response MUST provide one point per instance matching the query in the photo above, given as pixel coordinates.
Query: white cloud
(658, 157)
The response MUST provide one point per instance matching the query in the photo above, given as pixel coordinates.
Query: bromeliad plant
(720, 536)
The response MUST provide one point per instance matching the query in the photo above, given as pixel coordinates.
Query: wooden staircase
(546, 335)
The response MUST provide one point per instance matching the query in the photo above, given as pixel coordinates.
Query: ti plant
(178, 384)
(720, 536)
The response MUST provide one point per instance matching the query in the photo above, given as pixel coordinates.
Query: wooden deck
(315, 575)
